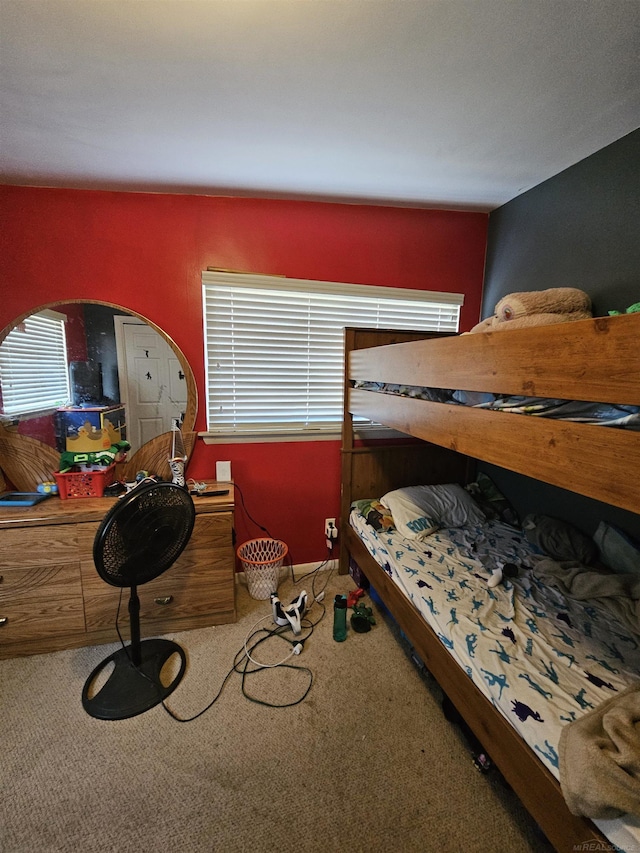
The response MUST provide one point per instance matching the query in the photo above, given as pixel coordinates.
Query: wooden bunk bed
(592, 360)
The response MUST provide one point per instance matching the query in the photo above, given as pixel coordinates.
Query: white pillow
(420, 510)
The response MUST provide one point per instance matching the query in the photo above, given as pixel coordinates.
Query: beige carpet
(365, 762)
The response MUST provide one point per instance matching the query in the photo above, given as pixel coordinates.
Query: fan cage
(141, 540)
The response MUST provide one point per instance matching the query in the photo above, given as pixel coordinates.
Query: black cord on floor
(245, 671)
(288, 559)
(242, 664)
(314, 574)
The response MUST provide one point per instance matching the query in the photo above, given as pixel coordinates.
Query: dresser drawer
(51, 596)
(40, 601)
(38, 546)
(199, 583)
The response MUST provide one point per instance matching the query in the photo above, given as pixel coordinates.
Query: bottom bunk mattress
(541, 658)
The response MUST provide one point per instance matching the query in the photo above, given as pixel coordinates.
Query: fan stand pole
(134, 626)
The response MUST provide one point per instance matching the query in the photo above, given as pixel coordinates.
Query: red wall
(146, 252)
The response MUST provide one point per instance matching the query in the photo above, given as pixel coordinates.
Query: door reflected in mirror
(153, 387)
(113, 362)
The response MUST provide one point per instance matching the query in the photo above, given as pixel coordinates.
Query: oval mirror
(100, 361)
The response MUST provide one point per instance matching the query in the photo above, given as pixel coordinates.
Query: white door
(153, 387)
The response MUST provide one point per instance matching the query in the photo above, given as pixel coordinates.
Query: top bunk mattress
(577, 411)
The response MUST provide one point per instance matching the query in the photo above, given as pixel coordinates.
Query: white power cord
(294, 651)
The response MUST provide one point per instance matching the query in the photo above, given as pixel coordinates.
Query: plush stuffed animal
(537, 308)
(632, 309)
(116, 453)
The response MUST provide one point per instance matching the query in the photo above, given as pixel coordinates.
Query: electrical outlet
(330, 529)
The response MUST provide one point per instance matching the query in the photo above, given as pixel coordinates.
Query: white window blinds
(274, 347)
(33, 365)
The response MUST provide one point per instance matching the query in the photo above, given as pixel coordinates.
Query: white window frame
(244, 315)
(34, 370)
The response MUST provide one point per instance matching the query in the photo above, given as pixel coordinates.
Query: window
(33, 365)
(274, 348)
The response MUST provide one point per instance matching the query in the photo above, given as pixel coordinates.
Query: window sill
(10, 420)
(262, 436)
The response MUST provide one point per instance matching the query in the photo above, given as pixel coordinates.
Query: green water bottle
(340, 618)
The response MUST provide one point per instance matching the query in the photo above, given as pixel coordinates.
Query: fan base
(131, 690)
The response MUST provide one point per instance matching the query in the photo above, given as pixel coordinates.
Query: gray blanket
(600, 759)
(618, 594)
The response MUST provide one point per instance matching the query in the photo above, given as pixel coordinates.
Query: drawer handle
(166, 599)
(3, 620)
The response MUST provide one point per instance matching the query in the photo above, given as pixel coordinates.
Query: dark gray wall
(581, 229)
(529, 495)
(101, 345)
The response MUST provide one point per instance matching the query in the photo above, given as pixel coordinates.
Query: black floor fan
(140, 537)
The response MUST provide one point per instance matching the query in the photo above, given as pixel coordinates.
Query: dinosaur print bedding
(541, 658)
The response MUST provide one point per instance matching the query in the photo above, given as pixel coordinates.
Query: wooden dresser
(51, 596)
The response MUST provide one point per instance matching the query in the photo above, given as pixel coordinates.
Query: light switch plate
(223, 472)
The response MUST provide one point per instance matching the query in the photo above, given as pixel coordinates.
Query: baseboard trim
(299, 571)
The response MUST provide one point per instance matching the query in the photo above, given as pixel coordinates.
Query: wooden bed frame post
(372, 467)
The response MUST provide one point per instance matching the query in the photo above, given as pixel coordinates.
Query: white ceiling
(454, 103)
